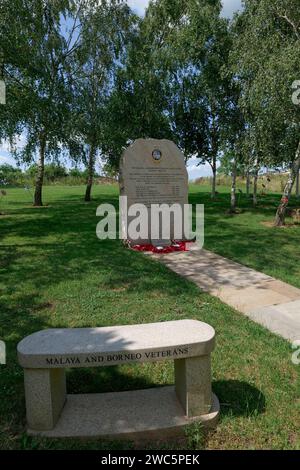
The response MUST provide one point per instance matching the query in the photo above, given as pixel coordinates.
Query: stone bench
(50, 411)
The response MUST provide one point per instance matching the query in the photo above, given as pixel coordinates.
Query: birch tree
(267, 51)
(38, 54)
(107, 28)
(191, 43)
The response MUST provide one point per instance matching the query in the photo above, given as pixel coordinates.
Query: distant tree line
(84, 78)
(53, 173)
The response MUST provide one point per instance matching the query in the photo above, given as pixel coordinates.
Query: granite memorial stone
(153, 172)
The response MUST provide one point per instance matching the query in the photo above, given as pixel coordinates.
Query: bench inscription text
(116, 357)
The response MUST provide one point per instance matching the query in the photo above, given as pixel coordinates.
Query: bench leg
(45, 395)
(193, 385)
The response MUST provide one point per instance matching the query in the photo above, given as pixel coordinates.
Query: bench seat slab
(153, 413)
(95, 347)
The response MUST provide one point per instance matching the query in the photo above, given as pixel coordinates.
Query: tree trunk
(214, 178)
(280, 215)
(248, 183)
(298, 185)
(255, 178)
(214, 146)
(91, 167)
(233, 190)
(40, 172)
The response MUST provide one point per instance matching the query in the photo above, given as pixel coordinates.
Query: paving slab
(283, 319)
(250, 298)
(266, 300)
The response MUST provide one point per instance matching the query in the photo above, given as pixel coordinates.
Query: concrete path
(272, 303)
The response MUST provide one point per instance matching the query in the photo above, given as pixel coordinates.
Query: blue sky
(195, 171)
(229, 6)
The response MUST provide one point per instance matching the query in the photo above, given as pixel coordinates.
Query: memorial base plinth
(141, 414)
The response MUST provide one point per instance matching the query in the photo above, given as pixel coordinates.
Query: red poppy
(285, 200)
(176, 246)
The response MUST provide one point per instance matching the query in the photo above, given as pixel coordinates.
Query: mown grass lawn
(56, 273)
(249, 237)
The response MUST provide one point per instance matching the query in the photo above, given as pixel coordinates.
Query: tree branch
(290, 22)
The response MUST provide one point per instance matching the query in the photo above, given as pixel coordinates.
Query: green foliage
(76, 173)
(37, 59)
(101, 48)
(227, 163)
(9, 174)
(172, 86)
(105, 31)
(52, 171)
(136, 107)
(265, 61)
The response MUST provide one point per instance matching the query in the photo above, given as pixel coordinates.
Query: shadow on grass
(238, 398)
(104, 380)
